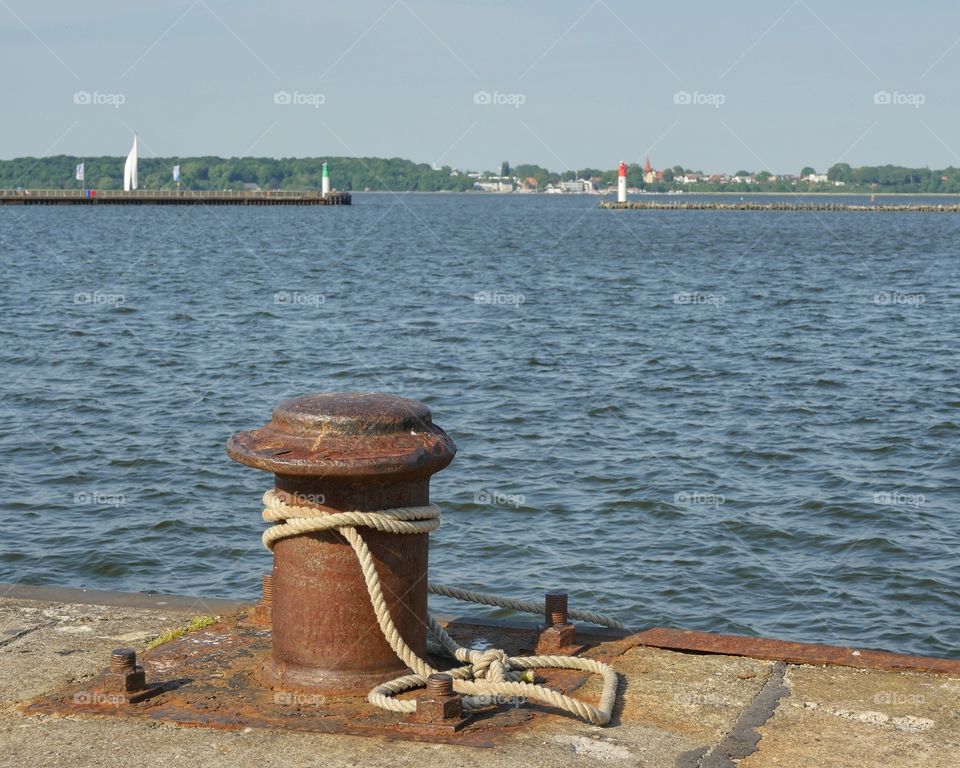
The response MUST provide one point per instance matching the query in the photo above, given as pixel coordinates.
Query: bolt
(263, 611)
(268, 588)
(123, 660)
(124, 677)
(555, 609)
(439, 707)
(440, 684)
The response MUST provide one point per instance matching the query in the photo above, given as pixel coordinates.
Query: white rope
(523, 606)
(486, 676)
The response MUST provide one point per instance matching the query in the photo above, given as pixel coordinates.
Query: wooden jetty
(169, 197)
(744, 205)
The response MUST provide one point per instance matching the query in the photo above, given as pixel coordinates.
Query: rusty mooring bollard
(346, 452)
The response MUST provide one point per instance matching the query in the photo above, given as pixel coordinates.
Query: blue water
(740, 422)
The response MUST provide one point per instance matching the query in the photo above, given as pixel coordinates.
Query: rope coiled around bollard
(485, 676)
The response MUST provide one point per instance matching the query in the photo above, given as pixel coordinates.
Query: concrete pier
(676, 708)
(170, 197)
(747, 205)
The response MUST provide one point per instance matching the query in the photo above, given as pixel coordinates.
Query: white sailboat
(130, 168)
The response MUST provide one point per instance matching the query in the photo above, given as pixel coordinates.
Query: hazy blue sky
(573, 83)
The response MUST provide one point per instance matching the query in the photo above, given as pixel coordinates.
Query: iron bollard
(354, 451)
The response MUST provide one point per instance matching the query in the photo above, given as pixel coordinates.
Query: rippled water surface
(742, 422)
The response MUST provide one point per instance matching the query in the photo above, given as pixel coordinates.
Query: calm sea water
(741, 422)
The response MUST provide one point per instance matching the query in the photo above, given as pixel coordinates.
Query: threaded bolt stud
(555, 609)
(123, 660)
(268, 588)
(439, 684)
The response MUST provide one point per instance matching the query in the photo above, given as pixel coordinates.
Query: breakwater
(170, 197)
(712, 205)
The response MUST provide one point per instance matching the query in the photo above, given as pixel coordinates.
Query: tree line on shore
(400, 175)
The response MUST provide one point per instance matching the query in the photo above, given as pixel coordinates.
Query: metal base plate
(211, 678)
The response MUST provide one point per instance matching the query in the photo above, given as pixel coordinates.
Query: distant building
(577, 186)
(649, 177)
(494, 185)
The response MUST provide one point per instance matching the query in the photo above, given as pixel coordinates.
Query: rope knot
(490, 665)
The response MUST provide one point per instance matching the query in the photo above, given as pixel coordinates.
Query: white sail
(130, 168)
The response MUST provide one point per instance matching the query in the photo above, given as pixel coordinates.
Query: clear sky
(721, 86)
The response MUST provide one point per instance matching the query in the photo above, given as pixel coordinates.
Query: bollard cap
(350, 434)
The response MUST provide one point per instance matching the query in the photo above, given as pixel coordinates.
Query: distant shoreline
(641, 196)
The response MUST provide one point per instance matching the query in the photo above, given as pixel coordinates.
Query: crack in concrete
(743, 738)
(23, 633)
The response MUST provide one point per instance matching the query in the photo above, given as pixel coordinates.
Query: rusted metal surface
(210, 678)
(558, 636)
(790, 652)
(346, 435)
(345, 452)
(262, 610)
(124, 682)
(439, 707)
(560, 639)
